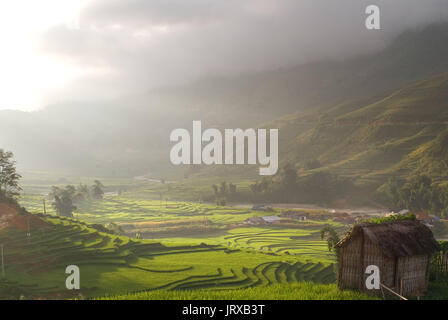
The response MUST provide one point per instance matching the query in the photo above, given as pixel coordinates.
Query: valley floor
(189, 251)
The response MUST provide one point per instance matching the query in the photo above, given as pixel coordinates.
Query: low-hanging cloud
(134, 45)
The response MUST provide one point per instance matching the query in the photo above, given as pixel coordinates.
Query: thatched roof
(397, 238)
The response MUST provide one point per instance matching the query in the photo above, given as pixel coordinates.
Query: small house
(341, 215)
(295, 215)
(271, 219)
(400, 249)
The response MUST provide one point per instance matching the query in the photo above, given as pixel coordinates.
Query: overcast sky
(62, 50)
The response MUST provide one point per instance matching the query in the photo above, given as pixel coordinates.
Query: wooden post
(45, 209)
(393, 292)
(382, 292)
(28, 232)
(3, 262)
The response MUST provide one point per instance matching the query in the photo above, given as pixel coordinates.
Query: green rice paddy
(190, 249)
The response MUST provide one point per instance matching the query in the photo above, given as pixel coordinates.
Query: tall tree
(215, 189)
(97, 190)
(288, 183)
(254, 187)
(223, 188)
(63, 202)
(289, 177)
(82, 193)
(9, 178)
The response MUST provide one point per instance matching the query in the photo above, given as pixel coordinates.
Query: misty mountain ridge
(131, 136)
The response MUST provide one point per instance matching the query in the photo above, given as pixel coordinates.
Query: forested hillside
(400, 134)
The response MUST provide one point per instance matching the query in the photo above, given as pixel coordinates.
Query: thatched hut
(401, 249)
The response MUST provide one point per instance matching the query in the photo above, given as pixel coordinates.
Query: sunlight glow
(26, 73)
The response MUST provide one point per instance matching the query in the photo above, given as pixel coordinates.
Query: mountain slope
(402, 133)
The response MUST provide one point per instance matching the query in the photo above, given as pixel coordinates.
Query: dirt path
(147, 177)
(302, 206)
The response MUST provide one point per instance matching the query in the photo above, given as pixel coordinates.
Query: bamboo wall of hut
(401, 249)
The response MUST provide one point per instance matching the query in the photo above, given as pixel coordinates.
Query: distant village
(333, 215)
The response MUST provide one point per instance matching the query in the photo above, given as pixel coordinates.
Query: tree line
(418, 193)
(320, 187)
(64, 199)
(223, 192)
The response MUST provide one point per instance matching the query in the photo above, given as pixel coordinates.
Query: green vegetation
(113, 264)
(391, 218)
(186, 222)
(63, 202)
(397, 135)
(318, 187)
(438, 278)
(299, 291)
(9, 178)
(199, 247)
(418, 193)
(197, 250)
(64, 198)
(332, 239)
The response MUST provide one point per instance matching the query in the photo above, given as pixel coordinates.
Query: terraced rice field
(193, 246)
(195, 223)
(304, 244)
(110, 264)
(130, 209)
(120, 209)
(290, 241)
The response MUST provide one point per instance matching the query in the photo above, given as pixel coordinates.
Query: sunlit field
(297, 291)
(168, 247)
(194, 223)
(113, 264)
